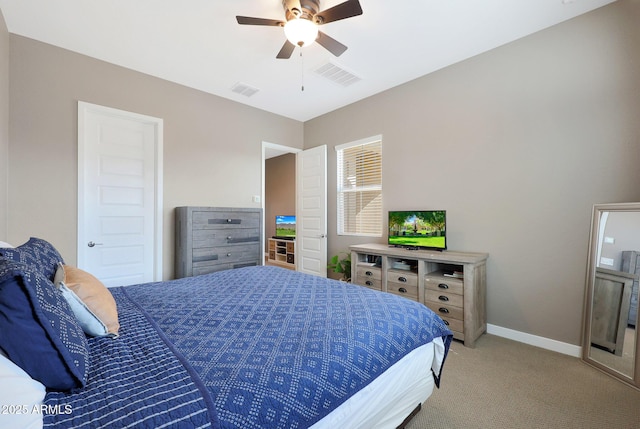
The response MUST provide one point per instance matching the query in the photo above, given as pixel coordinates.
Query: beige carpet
(506, 384)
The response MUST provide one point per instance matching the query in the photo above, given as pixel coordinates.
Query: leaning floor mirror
(610, 340)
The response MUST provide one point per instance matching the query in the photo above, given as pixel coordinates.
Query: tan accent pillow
(94, 294)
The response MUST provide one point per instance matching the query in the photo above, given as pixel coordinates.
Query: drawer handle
(402, 290)
(229, 238)
(229, 220)
(443, 298)
(369, 273)
(443, 286)
(402, 279)
(443, 310)
(369, 283)
(228, 254)
(445, 322)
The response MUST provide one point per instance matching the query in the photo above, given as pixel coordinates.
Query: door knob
(91, 244)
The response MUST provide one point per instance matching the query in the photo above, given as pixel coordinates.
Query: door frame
(83, 109)
(266, 146)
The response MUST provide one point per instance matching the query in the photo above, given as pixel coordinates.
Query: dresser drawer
(444, 284)
(220, 237)
(403, 277)
(403, 289)
(370, 283)
(368, 272)
(224, 255)
(444, 298)
(206, 269)
(453, 324)
(225, 219)
(446, 311)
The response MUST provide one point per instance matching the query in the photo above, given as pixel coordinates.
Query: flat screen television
(418, 229)
(285, 227)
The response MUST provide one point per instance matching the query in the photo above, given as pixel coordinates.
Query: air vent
(244, 89)
(337, 74)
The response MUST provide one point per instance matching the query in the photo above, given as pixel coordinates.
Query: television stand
(452, 284)
(282, 252)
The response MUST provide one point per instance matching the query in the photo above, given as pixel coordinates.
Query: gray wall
(211, 156)
(516, 144)
(4, 126)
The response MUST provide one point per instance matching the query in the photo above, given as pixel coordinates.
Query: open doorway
(279, 204)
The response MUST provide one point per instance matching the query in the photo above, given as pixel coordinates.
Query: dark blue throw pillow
(38, 331)
(36, 253)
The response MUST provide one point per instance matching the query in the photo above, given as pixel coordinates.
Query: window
(360, 187)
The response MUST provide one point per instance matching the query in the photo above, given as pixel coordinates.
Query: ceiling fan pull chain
(302, 70)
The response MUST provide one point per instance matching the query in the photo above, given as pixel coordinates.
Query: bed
(256, 347)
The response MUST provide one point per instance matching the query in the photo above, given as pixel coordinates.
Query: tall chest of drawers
(212, 239)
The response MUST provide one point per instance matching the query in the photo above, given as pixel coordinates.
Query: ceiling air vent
(337, 74)
(244, 89)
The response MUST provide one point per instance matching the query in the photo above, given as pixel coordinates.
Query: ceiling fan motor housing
(308, 9)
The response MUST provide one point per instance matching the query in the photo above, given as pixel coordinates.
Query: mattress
(390, 398)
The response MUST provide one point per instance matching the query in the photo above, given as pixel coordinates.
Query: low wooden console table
(453, 284)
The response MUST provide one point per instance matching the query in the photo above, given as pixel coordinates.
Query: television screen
(425, 229)
(286, 226)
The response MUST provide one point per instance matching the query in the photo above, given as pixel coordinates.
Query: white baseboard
(534, 340)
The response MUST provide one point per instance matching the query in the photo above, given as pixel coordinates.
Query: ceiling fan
(302, 21)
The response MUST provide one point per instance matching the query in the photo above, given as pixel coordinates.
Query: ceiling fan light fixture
(301, 32)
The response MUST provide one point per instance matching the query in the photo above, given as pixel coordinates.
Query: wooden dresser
(212, 239)
(452, 284)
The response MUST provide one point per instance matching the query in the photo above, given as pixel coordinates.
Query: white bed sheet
(390, 398)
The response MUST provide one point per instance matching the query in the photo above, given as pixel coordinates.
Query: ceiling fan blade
(247, 20)
(331, 44)
(344, 10)
(286, 51)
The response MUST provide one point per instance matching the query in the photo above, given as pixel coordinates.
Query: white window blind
(360, 187)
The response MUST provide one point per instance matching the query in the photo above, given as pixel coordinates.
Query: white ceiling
(198, 43)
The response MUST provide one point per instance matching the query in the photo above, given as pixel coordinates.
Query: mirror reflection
(614, 292)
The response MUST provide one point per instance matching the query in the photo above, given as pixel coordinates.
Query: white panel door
(119, 189)
(311, 237)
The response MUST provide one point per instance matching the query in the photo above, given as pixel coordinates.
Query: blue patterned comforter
(257, 347)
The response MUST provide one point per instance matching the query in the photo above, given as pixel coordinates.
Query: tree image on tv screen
(420, 229)
(285, 226)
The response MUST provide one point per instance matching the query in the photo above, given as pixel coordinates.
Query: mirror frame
(598, 210)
